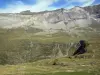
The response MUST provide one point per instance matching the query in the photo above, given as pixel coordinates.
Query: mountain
(29, 36)
(61, 19)
(93, 10)
(42, 43)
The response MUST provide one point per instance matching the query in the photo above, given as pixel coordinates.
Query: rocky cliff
(67, 20)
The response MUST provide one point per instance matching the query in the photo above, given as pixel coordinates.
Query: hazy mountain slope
(57, 19)
(94, 11)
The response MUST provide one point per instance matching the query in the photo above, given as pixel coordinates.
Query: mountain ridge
(53, 21)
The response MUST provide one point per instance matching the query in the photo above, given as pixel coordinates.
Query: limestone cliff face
(94, 11)
(68, 20)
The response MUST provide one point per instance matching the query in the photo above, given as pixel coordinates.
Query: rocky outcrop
(94, 12)
(93, 9)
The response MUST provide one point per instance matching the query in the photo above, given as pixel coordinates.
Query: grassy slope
(89, 64)
(46, 67)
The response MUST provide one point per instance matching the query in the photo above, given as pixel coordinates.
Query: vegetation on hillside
(21, 52)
